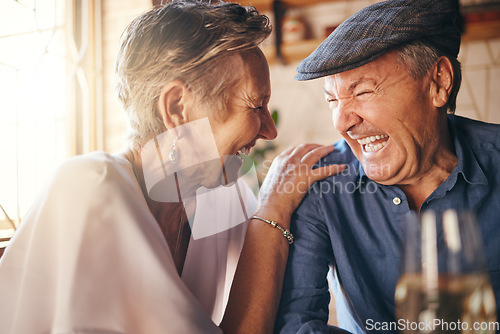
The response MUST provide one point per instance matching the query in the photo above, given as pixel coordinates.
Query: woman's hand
(256, 290)
(289, 179)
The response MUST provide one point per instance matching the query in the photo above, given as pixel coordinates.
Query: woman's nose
(268, 129)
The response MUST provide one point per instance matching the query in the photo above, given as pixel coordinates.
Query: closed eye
(332, 102)
(364, 92)
(329, 97)
(365, 95)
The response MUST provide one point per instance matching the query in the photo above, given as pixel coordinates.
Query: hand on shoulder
(290, 177)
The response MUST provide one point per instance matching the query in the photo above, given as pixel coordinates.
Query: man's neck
(439, 168)
(418, 192)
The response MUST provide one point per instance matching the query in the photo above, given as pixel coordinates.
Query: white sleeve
(89, 257)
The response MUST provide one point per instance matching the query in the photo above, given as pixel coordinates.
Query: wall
(479, 96)
(116, 15)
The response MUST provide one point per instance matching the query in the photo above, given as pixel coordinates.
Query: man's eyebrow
(352, 86)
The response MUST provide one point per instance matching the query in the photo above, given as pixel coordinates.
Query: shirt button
(396, 200)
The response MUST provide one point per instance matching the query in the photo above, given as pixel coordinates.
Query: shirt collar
(362, 178)
(467, 164)
(362, 174)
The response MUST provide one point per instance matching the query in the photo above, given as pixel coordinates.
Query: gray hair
(188, 41)
(421, 57)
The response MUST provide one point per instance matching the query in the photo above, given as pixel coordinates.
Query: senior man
(391, 80)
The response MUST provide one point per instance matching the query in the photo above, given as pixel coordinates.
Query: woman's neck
(171, 216)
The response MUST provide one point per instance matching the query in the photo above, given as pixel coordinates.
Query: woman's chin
(223, 172)
(232, 166)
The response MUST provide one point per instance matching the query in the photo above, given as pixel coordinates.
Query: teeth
(373, 148)
(367, 143)
(244, 150)
(368, 140)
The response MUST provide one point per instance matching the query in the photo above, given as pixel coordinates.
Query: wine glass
(444, 286)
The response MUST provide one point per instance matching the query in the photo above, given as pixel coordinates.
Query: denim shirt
(355, 226)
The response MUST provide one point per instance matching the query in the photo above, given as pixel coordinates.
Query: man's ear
(442, 82)
(172, 104)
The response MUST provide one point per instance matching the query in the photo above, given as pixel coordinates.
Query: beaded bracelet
(286, 233)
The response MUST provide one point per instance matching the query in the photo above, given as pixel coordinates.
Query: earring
(173, 156)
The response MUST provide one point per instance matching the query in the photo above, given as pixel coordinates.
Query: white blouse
(89, 257)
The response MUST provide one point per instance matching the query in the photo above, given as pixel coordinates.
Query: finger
(303, 149)
(288, 151)
(323, 172)
(314, 155)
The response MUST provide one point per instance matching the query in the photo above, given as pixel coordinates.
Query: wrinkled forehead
(382, 70)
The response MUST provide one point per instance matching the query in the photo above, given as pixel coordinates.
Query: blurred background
(57, 91)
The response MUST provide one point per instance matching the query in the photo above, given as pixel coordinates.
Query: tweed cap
(381, 27)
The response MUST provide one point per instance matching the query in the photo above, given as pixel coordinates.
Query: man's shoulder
(341, 155)
(480, 135)
(331, 187)
(333, 190)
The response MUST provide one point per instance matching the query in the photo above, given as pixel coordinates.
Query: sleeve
(305, 297)
(89, 257)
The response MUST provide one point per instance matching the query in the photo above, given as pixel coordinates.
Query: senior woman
(147, 241)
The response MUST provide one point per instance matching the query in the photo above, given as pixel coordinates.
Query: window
(48, 82)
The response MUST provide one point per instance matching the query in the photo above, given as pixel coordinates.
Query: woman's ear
(442, 82)
(172, 104)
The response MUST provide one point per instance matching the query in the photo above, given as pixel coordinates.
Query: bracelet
(286, 233)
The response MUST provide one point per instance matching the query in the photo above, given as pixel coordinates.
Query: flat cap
(381, 27)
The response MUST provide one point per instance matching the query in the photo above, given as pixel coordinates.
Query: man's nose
(344, 115)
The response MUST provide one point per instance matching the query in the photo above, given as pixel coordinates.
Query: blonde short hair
(187, 41)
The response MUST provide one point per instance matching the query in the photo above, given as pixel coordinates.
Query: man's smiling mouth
(373, 143)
